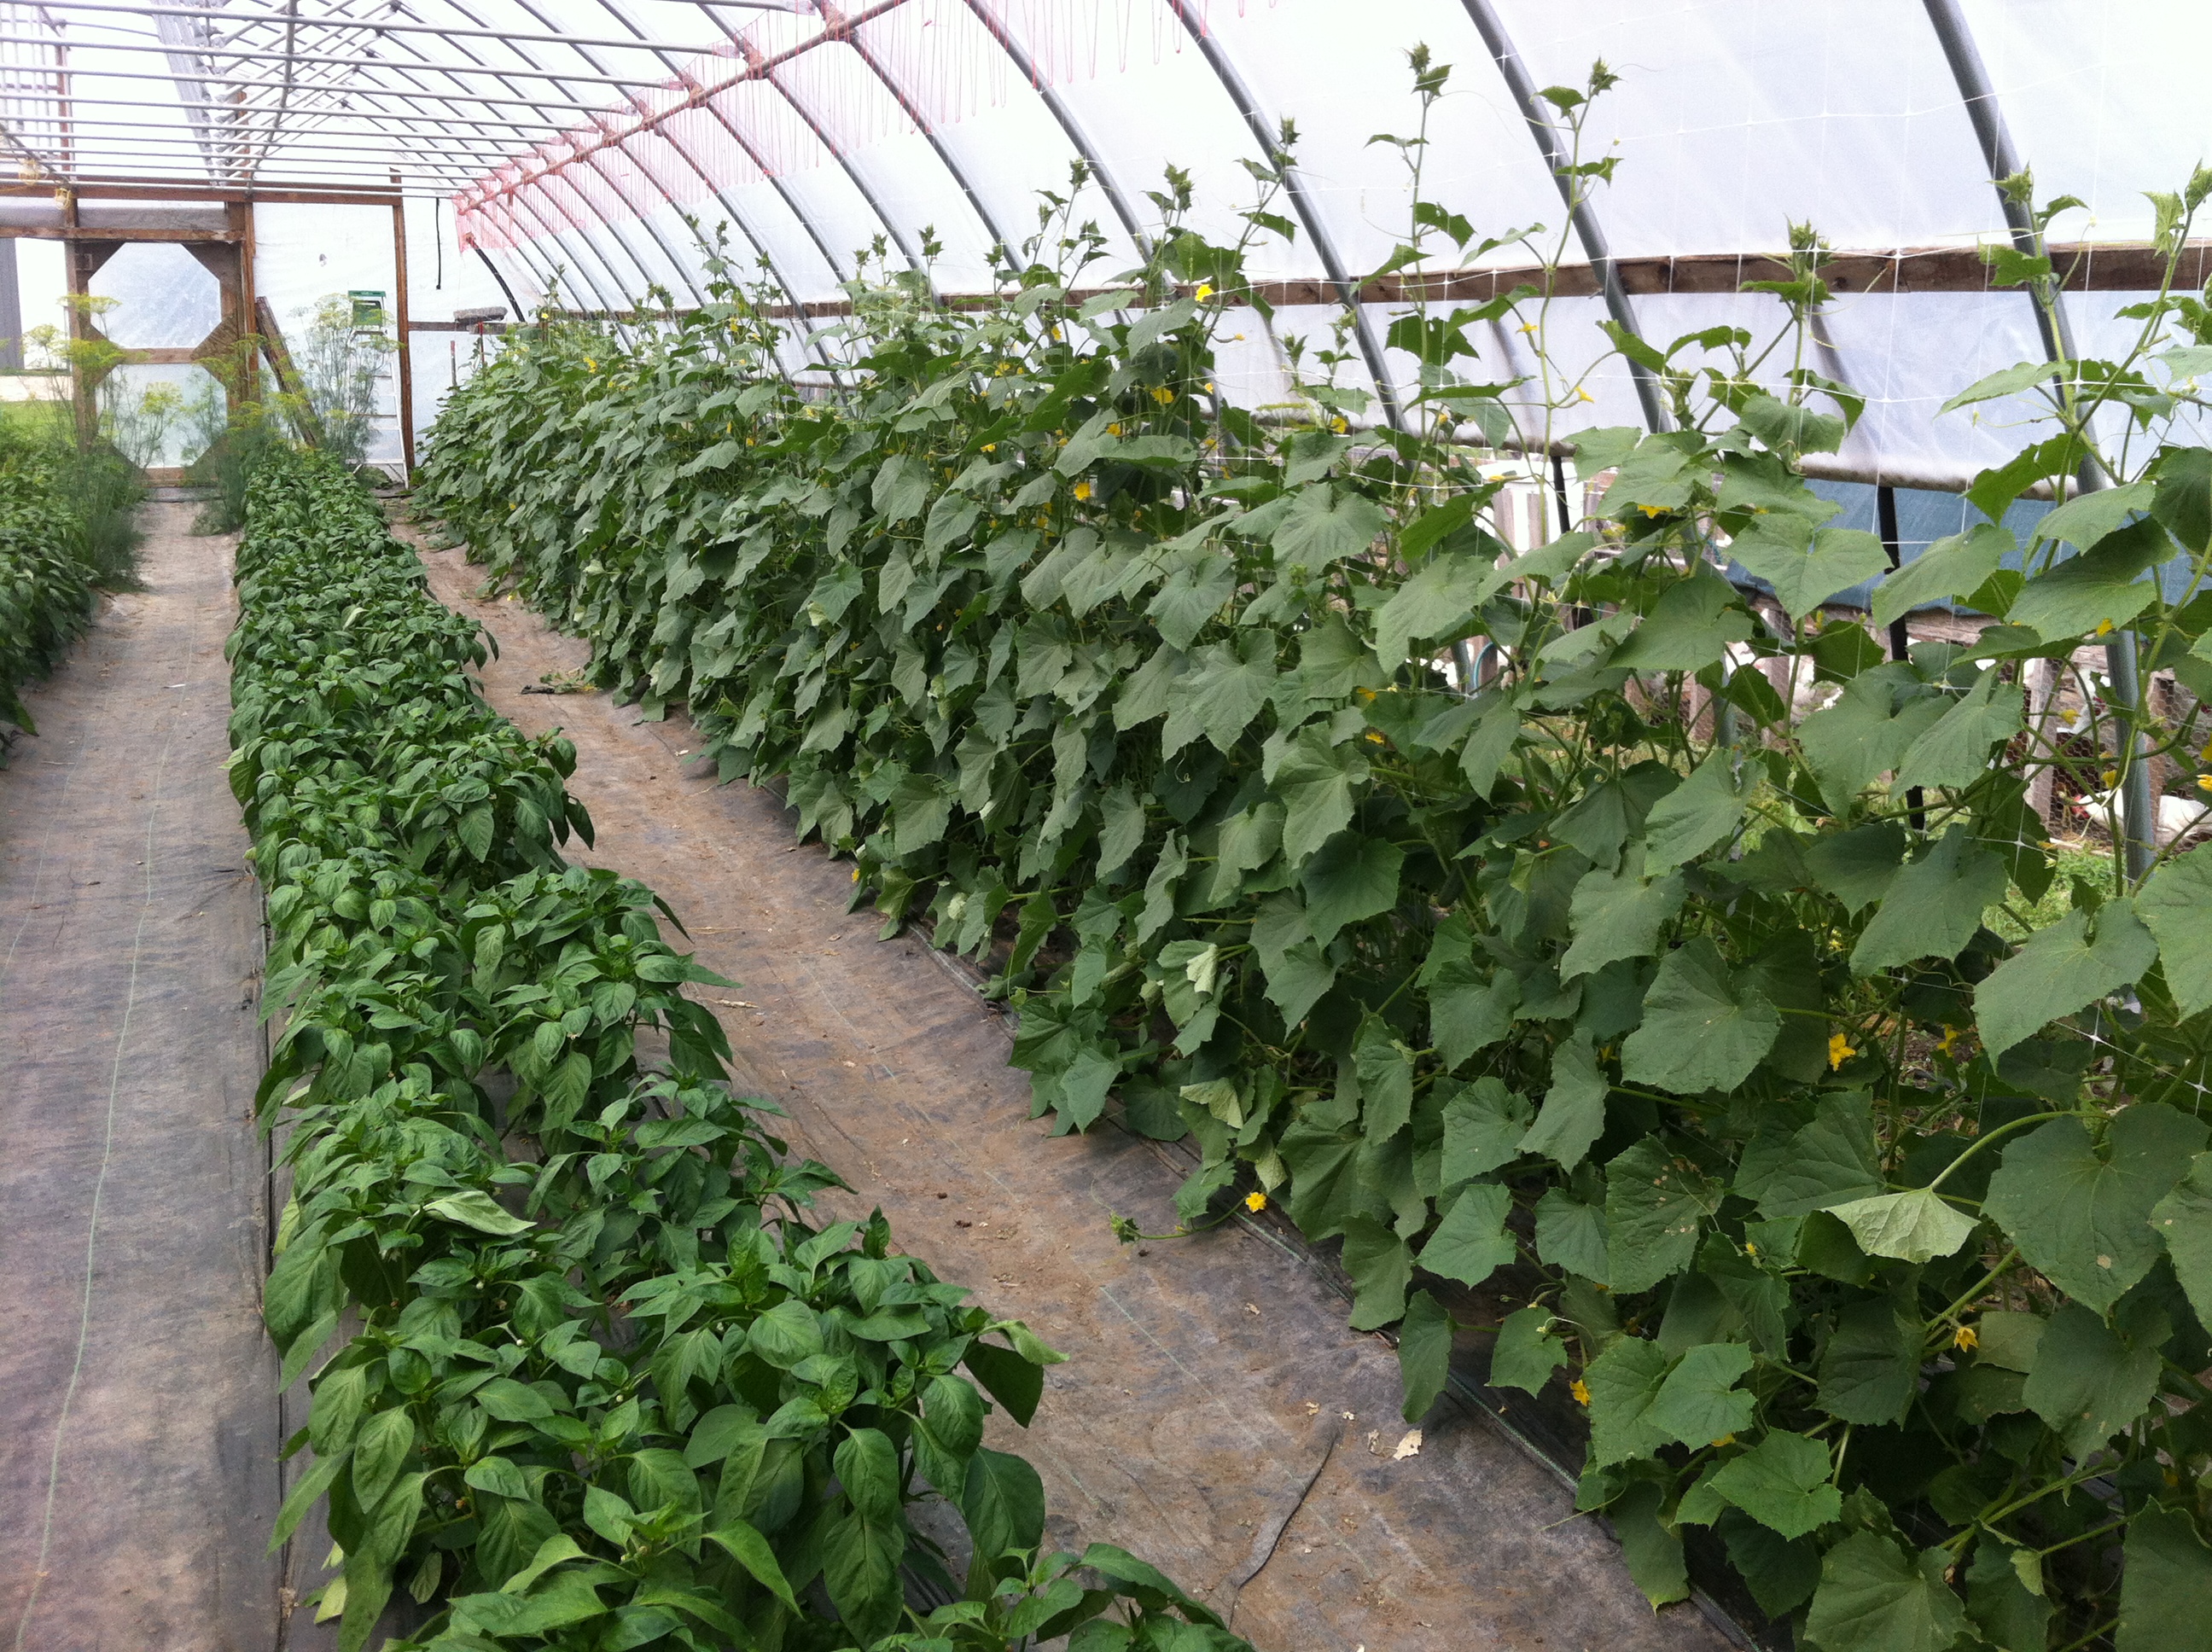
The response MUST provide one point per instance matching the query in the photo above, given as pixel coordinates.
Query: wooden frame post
(238, 217)
(406, 354)
(75, 280)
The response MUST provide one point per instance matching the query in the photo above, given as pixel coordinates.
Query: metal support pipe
(1058, 107)
(591, 156)
(910, 249)
(426, 65)
(1500, 46)
(730, 210)
(583, 216)
(383, 119)
(1900, 639)
(913, 113)
(2138, 808)
(729, 207)
(154, 142)
(1232, 82)
(763, 69)
(250, 55)
(552, 235)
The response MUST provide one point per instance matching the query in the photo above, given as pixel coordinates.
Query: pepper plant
(48, 566)
(608, 1383)
(1650, 976)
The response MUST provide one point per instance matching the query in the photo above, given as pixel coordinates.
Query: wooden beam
(288, 377)
(104, 232)
(157, 189)
(2082, 266)
(76, 275)
(406, 355)
(239, 216)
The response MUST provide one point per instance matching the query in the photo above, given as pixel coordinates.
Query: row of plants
(65, 528)
(1644, 976)
(600, 1378)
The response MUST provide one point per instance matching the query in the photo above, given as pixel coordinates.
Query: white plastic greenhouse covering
(580, 149)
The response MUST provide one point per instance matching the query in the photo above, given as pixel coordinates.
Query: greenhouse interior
(1125, 825)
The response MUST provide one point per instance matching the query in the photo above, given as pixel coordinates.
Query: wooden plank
(280, 362)
(105, 233)
(494, 328)
(158, 189)
(240, 216)
(2082, 266)
(406, 356)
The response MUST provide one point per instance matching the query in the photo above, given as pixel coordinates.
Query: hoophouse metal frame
(503, 104)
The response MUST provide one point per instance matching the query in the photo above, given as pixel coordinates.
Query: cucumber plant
(1646, 976)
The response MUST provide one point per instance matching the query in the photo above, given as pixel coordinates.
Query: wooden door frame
(226, 255)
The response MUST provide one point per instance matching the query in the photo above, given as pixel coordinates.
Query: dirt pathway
(1215, 1416)
(138, 1434)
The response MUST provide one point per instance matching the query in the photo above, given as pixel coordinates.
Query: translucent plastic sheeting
(306, 254)
(162, 296)
(1734, 118)
(581, 140)
(162, 414)
(2105, 99)
(443, 361)
(44, 289)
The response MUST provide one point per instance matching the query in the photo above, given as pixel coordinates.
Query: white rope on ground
(99, 1189)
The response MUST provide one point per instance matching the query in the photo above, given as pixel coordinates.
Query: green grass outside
(34, 418)
(2067, 862)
